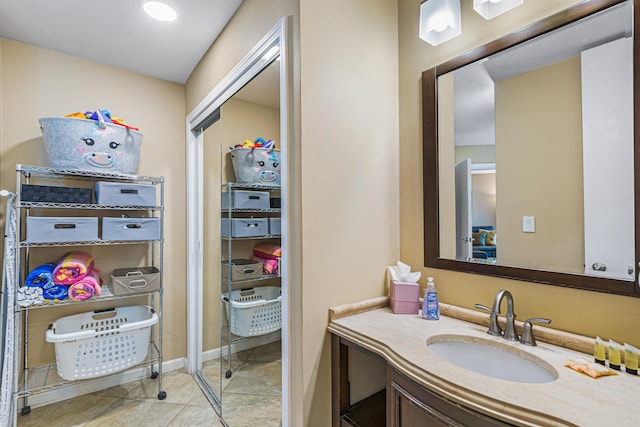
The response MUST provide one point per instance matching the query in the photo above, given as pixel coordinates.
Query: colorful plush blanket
(267, 251)
(73, 267)
(86, 287)
(269, 266)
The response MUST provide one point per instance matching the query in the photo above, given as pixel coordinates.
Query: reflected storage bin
(405, 297)
(61, 229)
(130, 228)
(135, 280)
(254, 311)
(274, 226)
(242, 199)
(101, 342)
(256, 165)
(244, 227)
(241, 269)
(121, 194)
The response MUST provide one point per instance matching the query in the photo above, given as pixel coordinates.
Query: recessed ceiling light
(160, 11)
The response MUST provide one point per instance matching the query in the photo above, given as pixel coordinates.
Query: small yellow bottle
(630, 359)
(614, 355)
(599, 353)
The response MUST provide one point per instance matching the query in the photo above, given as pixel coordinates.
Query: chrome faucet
(494, 327)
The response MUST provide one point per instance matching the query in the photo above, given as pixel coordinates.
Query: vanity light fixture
(489, 9)
(440, 21)
(160, 11)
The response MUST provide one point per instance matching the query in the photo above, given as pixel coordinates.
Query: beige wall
(539, 157)
(252, 21)
(39, 83)
(584, 312)
(483, 199)
(349, 89)
(477, 153)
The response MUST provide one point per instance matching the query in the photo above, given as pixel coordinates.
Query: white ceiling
(119, 33)
(474, 84)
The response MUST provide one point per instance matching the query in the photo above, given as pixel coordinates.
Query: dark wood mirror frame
(430, 157)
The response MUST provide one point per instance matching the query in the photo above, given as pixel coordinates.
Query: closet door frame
(275, 45)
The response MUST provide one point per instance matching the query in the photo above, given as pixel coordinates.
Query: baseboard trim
(245, 344)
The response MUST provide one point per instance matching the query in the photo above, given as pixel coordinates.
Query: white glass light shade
(489, 9)
(439, 21)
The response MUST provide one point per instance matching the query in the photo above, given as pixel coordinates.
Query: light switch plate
(528, 224)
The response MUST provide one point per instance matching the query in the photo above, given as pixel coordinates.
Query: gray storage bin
(245, 227)
(135, 280)
(124, 194)
(130, 228)
(274, 226)
(242, 199)
(242, 269)
(61, 229)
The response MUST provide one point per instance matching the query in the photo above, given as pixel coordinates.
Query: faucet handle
(494, 326)
(527, 331)
(483, 307)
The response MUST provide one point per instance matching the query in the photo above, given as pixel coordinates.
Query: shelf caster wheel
(154, 375)
(228, 374)
(162, 395)
(26, 410)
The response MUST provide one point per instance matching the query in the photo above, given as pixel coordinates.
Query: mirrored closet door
(237, 289)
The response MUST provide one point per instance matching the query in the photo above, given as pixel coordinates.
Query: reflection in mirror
(211, 313)
(535, 153)
(243, 373)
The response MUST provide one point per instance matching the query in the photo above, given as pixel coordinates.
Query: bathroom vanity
(424, 388)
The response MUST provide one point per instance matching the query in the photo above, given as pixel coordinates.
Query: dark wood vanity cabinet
(411, 405)
(407, 404)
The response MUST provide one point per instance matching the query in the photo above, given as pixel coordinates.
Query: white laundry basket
(254, 311)
(101, 342)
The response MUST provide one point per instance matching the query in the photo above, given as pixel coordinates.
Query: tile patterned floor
(251, 397)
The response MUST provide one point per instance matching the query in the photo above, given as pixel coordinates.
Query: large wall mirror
(530, 147)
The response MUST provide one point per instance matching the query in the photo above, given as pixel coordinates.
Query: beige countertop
(574, 399)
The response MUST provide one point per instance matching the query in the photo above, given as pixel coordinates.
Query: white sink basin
(492, 358)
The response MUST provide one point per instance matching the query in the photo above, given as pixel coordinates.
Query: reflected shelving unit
(229, 316)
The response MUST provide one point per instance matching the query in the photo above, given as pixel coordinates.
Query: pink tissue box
(405, 297)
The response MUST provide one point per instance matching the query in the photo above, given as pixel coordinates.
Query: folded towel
(267, 251)
(55, 292)
(269, 266)
(72, 267)
(29, 295)
(86, 287)
(40, 276)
